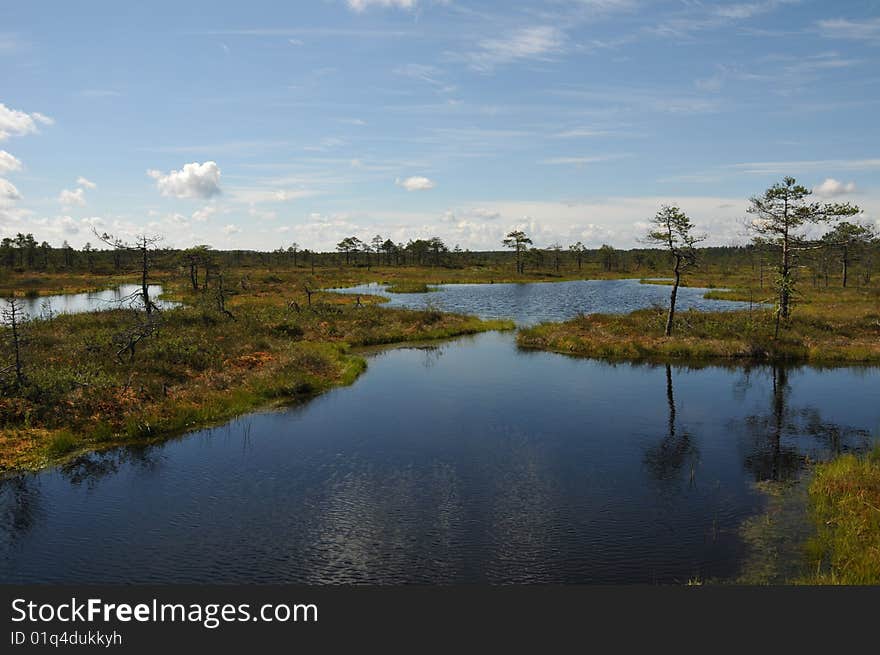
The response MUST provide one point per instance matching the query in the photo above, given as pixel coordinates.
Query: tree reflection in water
(90, 468)
(782, 442)
(666, 460)
(20, 507)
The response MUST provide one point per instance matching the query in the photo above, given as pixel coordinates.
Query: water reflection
(532, 303)
(20, 505)
(483, 464)
(124, 296)
(677, 451)
(90, 468)
(782, 441)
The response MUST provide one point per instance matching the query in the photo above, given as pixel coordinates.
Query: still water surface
(469, 461)
(532, 303)
(124, 296)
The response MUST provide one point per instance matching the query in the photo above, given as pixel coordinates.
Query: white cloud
(70, 198)
(526, 43)
(841, 28)
(363, 5)
(581, 133)
(8, 193)
(791, 167)
(231, 229)
(203, 214)
(192, 181)
(67, 224)
(86, 184)
(8, 162)
(578, 161)
(415, 183)
(259, 194)
(283, 195)
(831, 187)
(19, 123)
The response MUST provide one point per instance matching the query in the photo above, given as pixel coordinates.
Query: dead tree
(221, 294)
(144, 245)
(13, 316)
(128, 340)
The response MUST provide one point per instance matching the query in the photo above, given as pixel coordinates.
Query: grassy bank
(810, 337)
(34, 285)
(845, 505)
(198, 367)
(405, 279)
(409, 287)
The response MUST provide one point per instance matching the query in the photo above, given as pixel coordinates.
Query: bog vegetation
(258, 327)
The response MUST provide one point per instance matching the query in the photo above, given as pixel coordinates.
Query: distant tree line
(779, 254)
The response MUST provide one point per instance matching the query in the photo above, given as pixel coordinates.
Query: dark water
(125, 295)
(470, 461)
(547, 301)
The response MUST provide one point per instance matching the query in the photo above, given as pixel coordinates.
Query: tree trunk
(144, 272)
(673, 296)
(16, 342)
(845, 266)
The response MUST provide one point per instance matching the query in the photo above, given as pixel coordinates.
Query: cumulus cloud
(70, 198)
(415, 183)
(8, 193)
(831, 187)
(9, 163)
(85, 184)
(18, 123)
(194, 180)
(363, 5)
(231, 229)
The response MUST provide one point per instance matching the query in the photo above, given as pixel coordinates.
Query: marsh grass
(826, 338)
(845, 505)
(410, 287)
(199, 368)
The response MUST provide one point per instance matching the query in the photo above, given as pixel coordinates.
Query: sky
(261, 124)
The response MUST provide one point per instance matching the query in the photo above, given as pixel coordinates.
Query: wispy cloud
(539, 42)
(788, 167)
(424, 73)
(578, 161)
(317, 32)
(698, 17)
(581, 133)
(363, 5)
(867, 29)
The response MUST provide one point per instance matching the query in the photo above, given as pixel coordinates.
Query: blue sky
(255, 125)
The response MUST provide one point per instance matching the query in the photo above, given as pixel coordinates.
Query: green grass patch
(845, 500)
(743, 335)
(409, 287)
